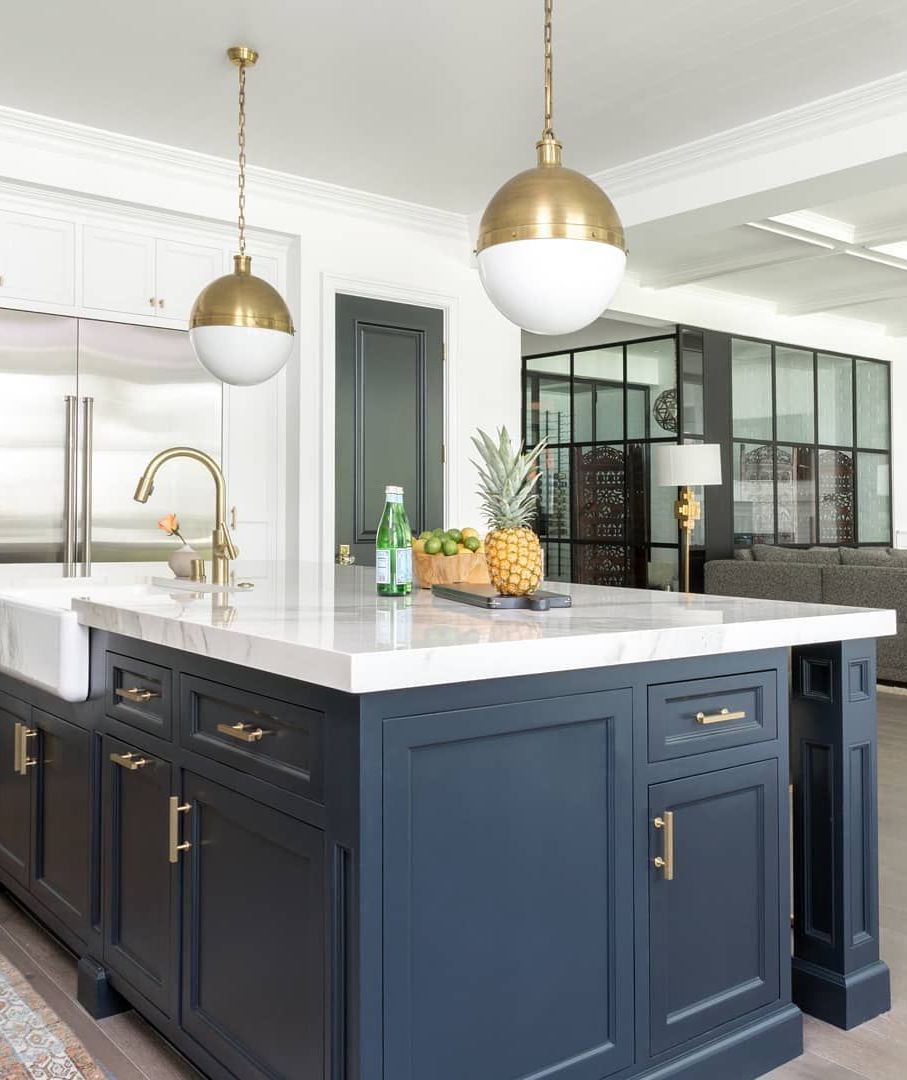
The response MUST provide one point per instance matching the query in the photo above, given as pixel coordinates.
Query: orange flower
(171, 525)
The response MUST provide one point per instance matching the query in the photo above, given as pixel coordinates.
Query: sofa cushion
(746, 554)
(898, 557)
(766, 581)
(821, 556)
(867, 557)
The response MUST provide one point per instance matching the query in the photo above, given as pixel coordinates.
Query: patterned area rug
(35, 1044)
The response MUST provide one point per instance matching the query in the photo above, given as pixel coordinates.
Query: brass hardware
(177, 808)
(2, 281)
(240, 298)
(160, 303)
(222, 543)
(344, 558)
(21, 761)
(232, 517)
(136, 693)
(245, 585)
(719, 717)
(666, 863)
(152, 300)
(687, 510)
(550, 201)
(197, 570)
(242, 732)
(130, 761)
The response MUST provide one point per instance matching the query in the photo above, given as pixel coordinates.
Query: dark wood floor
(128, 1049)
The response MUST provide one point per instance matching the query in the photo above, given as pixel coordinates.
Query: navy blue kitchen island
(381, 868)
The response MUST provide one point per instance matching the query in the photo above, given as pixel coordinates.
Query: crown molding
(49, 133)
(835, 114)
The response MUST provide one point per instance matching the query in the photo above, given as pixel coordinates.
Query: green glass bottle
(394, 547)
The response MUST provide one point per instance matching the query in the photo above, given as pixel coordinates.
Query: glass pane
(599, 394)
(599, 478)
(693, 407)
(548, 409)
(873, 498)
(663, 569)
(836, 497)
(600, 564)
(754, 494)
(663, 523)
(557, 561)
(796, 479)
(651, 379)
(872, 405)
(794, 396)
(550, 365)
(835, 374)
(751, 386)
(553, 491)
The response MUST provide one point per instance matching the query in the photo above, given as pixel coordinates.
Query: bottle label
(404, 566)
(383, 566)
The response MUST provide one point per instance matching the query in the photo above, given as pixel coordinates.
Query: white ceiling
(433, 101)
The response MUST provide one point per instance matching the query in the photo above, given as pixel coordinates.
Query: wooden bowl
(468, 566)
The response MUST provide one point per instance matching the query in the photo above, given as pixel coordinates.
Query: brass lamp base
(687, 510)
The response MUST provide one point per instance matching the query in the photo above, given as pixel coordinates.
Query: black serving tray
(486, 596)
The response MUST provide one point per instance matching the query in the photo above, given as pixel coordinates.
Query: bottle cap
(393, 489)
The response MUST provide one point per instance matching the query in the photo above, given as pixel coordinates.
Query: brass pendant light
(240, 326)
(551, 248)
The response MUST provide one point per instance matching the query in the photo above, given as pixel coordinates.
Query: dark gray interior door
(390, 416)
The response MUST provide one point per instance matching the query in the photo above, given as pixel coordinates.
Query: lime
(433, 546)
(472, 543)
(449, 547)
(454, 534)
(437, 532)
(426, 535)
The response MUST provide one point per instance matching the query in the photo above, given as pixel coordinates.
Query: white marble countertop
(326, 625)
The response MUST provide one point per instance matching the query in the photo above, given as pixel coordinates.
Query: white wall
(346, 241)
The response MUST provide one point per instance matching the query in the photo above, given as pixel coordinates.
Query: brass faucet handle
(224, 545)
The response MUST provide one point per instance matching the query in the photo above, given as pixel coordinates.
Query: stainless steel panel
(87, 462)
(149, 393)
(37, 374)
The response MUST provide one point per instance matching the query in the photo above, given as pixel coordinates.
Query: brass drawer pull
(241, 731)
(136, 693)
(129, 761)
(719, 717)
(21, 761)
(177, 808)
(666, 862)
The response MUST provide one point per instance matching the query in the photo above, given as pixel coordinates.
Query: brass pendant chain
(548, 132)
(242, 158)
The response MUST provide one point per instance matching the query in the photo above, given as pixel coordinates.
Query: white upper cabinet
(118, 271)
(182, 271)
(37, 259)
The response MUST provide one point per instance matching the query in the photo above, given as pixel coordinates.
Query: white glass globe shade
(241, 355)
(551, 286)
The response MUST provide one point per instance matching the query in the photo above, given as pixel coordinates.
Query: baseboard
(842, 1000)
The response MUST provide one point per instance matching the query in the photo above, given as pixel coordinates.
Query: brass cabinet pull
(241, 731)
(152, 300)
(177, 808)
(21, 761)
(666, 862)
(130, 761)
(160, 303)
(719, 717)
(136, 693)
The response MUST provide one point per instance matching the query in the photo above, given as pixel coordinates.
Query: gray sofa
(855, 577)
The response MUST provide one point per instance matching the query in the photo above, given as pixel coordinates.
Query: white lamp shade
(241, 355)
(686, 465)
(551, 286)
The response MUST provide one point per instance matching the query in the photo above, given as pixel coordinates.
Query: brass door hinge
(443, 454)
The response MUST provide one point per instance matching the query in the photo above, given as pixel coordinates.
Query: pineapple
(508, 477)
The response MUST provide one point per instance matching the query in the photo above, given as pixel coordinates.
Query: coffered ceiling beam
(834, 300)
(694, 272)
(880, 233)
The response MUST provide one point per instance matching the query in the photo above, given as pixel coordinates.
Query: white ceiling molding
(693, 272)
(44, 132)
(880, 233)
(836, 299)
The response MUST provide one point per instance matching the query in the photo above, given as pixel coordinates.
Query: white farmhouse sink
(41, 641)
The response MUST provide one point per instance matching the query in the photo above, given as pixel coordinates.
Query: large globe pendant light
(551, 248)
(240, 326)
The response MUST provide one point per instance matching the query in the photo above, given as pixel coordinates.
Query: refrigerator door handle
(87, 452)
(69, 486)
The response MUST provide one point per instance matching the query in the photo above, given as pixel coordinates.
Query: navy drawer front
(701, 715)
(271, 739)
(140, 694)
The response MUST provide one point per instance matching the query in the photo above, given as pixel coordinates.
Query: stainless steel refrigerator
(83, 405)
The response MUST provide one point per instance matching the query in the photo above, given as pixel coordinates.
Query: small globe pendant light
(240, 326)
(551, 248)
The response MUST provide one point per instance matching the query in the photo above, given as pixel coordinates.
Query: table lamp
(686, 466)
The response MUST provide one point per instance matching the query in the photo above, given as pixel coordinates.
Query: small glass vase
(180, 561)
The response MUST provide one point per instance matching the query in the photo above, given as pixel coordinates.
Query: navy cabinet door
(714, 930)
(253, 935)
(15, 793)
(508, 913)
(139, 879)
(65, 816)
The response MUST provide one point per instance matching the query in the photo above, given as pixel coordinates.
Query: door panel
(390, 416)
(715, 928)
(482, 809)
(37, 372)
(149, 392)
(253, 969)
(37, 259)
(118, 271)
(64, 820)
(140, 931)
(183, 270)
(15, 794)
